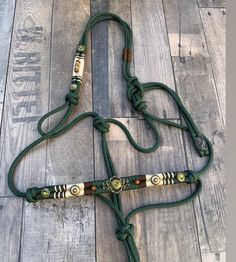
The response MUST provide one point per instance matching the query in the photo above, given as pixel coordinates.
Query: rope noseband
(114, 184)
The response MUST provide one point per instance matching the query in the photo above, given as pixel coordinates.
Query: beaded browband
(114, 184)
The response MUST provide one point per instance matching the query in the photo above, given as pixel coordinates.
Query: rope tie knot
(135, 93)
(201, 145)
(31, 194)
(191, 177)
(124, 231)
(101, 124)
(72, 98)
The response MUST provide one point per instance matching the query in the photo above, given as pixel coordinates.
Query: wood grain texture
(10, 225)
(211, 3)
(160, 234)
(118, 102)
(100, 75)
(61, 231)
(184, 28)
(26, 92)
(66, 227)
(214, 22)
(6, 21)
(44, 39)
(196, 87)
(152, 55)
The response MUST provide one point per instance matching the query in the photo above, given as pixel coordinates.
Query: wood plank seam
(213, 74)
(9, 51)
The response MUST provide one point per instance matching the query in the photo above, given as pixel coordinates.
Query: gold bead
(181, 177)
(116, 184)
(45, 193)
(136, 181)
(93, 188)
(81, 48)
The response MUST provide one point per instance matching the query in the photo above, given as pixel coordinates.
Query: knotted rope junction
(135, 94)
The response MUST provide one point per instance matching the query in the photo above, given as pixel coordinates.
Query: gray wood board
(7, 8)
(184, 28)
(27, 92)
(66, 227)
(147, 64)
(100, 74)
(160, 234)
(201, 99)
(10, 224)
(118, 102)
(214, 21)
(211, 3)
(189, 37)
(197, 86)
(152, 54)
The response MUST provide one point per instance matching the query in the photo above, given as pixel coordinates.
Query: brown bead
(136, 181)
(93, 188)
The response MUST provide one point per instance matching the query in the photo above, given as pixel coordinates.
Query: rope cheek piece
(114, 184)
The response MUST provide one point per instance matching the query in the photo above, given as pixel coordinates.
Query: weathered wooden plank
(100, 61)
(211, 3)
(27, 92)
(109, 88)
(160, 234)
(7, 9)
(66, 227)
(184, 28)
(114, 101)
(118, 102)
(10, 224)
(152, 54)
(187, 37)
(214, 21)
(196, 87)
(58, 231)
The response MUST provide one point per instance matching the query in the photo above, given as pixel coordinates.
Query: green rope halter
(114, 184)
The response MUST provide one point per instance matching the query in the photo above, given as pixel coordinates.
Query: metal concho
(155, 180)
(74, 190)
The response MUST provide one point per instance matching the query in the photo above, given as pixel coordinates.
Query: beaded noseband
(114, 184)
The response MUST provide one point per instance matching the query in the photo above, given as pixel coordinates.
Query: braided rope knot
(101, 124)
(135, 93)
(72, 98)
(31, 194)
(201, 145)
(124, 231)
(191, 177)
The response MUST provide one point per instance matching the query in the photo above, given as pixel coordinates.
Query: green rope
(135, 94)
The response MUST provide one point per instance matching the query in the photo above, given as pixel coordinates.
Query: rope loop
(135, 93)
(124, 231)
(31, 195)
(101, 125)
(72, 98)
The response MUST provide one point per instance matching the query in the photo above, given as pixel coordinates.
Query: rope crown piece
(115, 184)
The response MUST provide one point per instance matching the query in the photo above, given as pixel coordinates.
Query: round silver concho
(74, 190)
(155, 180)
